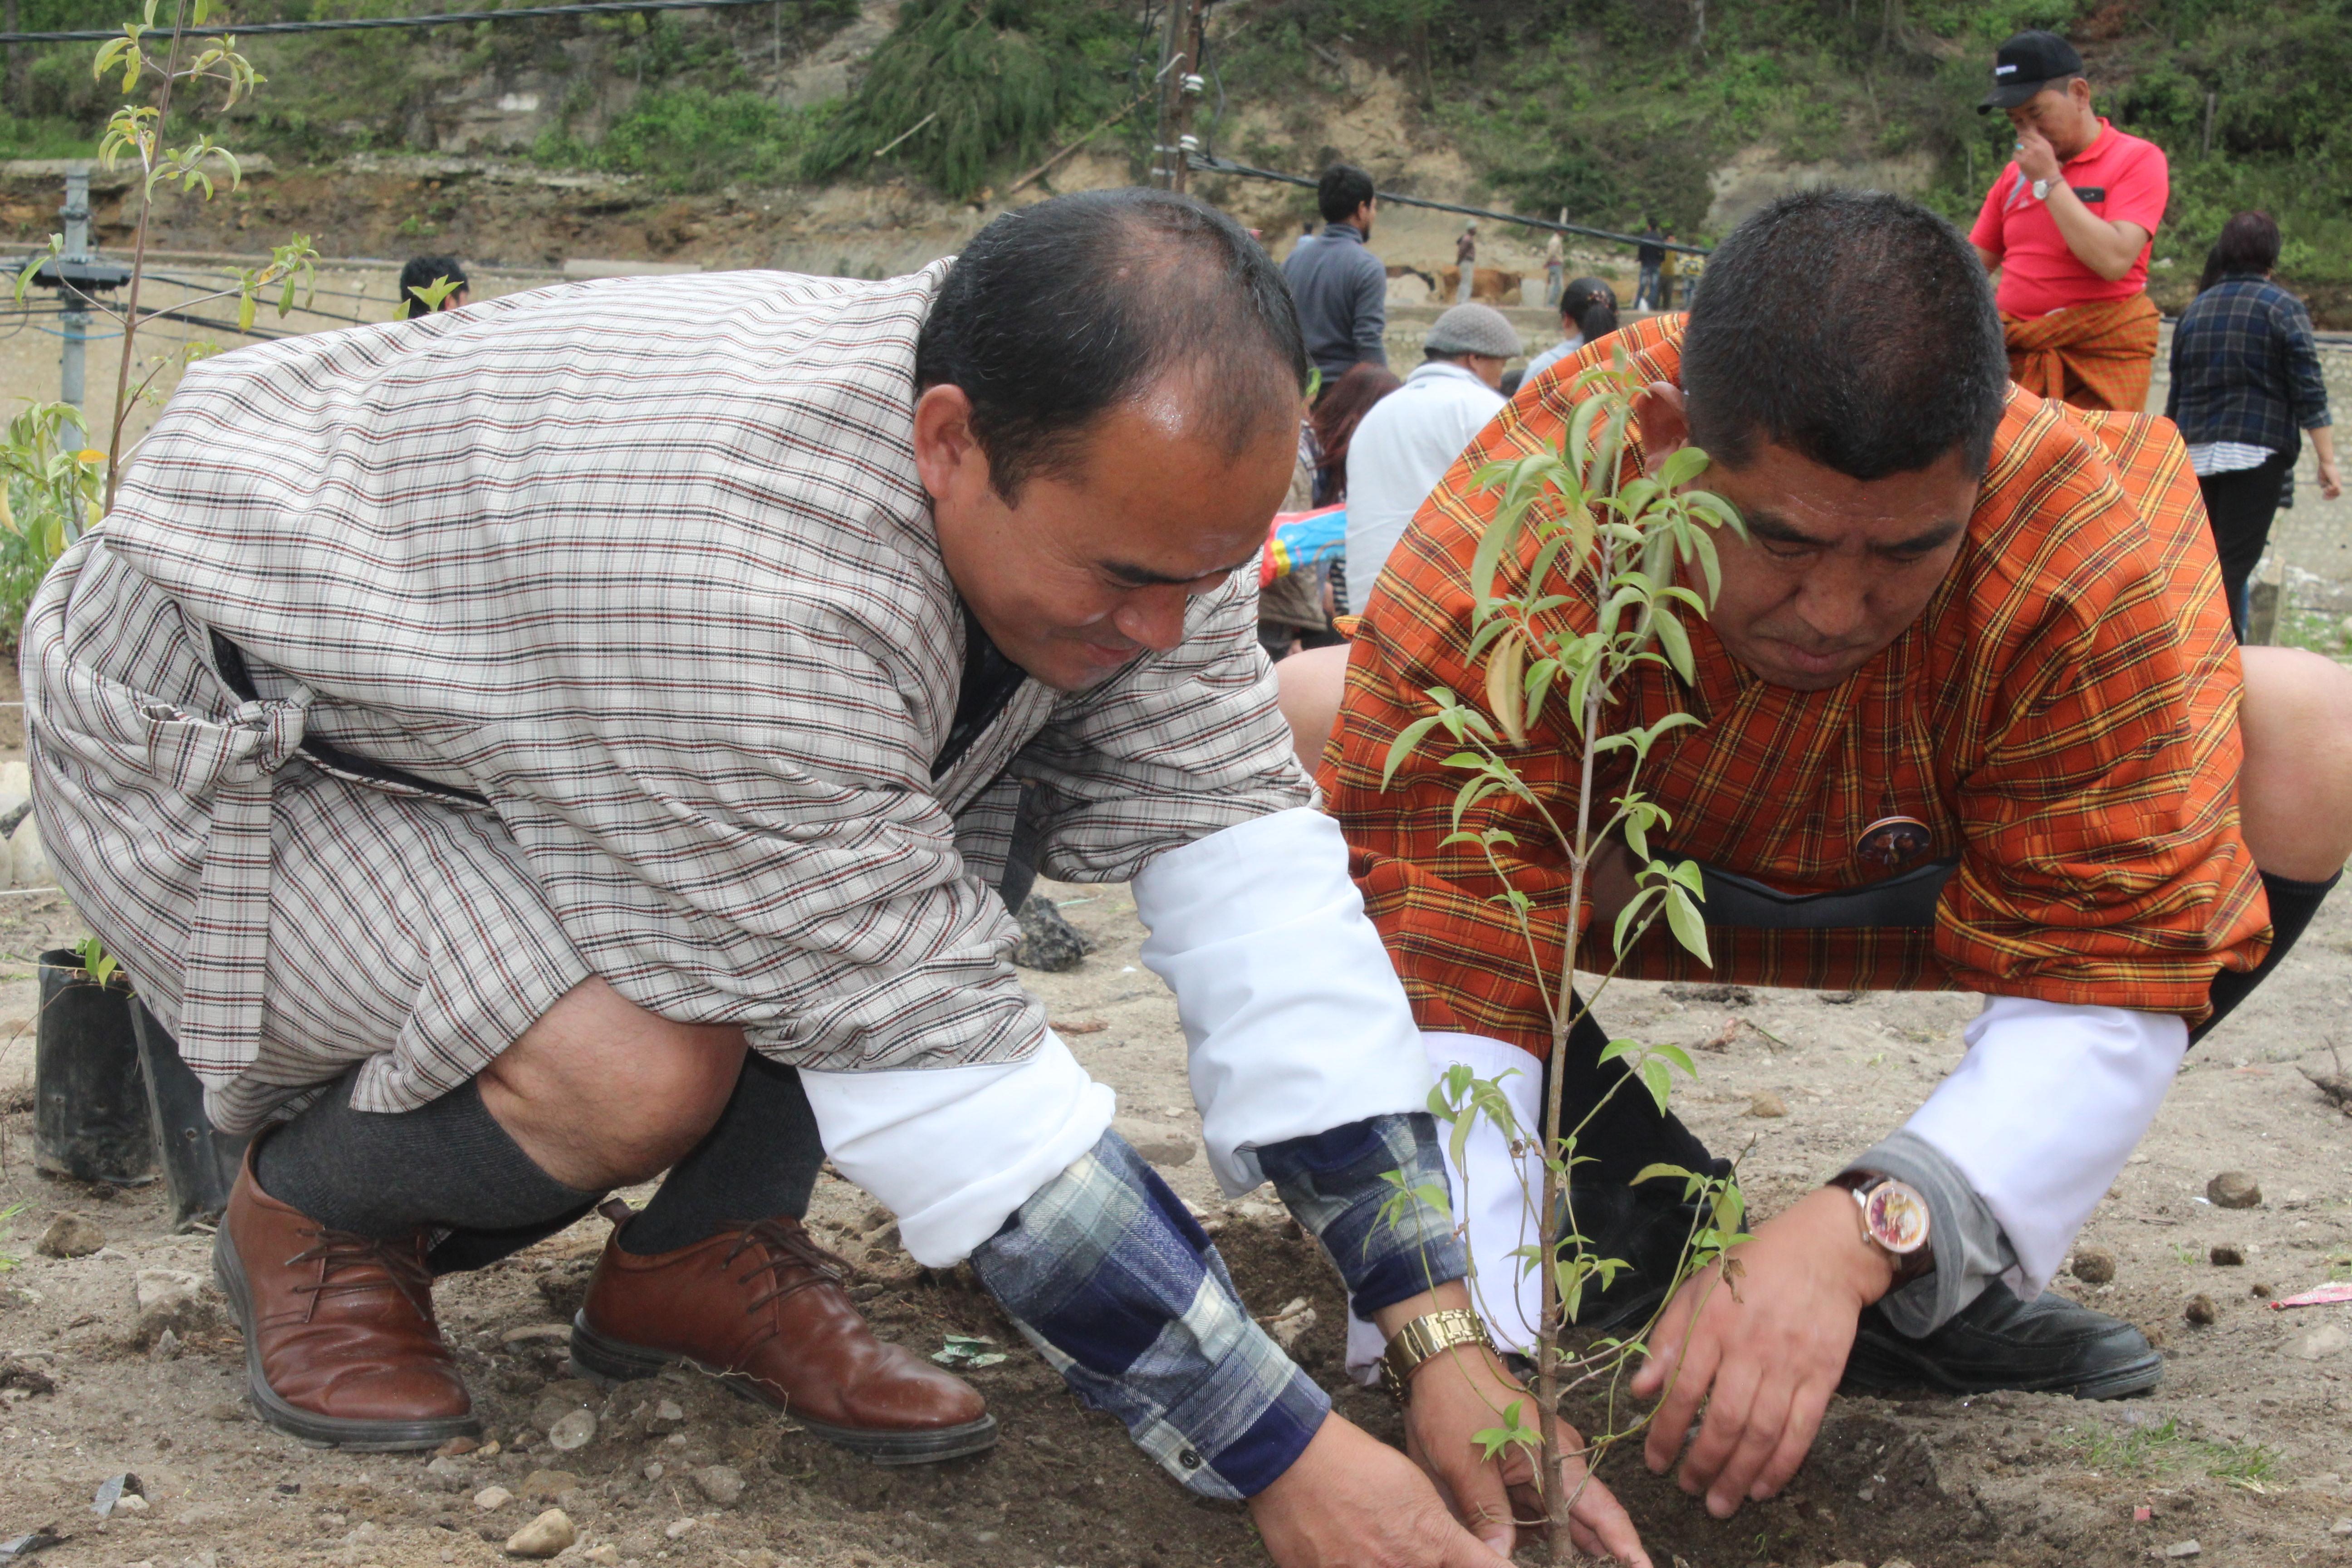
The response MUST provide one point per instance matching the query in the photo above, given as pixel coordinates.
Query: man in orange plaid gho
(1973, 718)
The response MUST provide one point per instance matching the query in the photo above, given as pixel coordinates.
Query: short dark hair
(1056, 313)
(2249, 242)
(423, 272)
(1342, 189)
(1854, 328)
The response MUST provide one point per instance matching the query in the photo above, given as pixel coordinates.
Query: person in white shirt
(1408, 441)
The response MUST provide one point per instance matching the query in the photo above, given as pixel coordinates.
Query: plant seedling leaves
(968, 1352)
(1683, 919)
(1506, 689)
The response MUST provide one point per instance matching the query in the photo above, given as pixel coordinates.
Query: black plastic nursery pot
(200, 1163)
(90, 1116)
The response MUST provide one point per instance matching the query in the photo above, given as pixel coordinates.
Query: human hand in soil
(1770, 1344)
(1466, 1390)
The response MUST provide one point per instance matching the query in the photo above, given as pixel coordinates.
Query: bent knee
(648, 1086)
(2295, 795)
(1312, 685)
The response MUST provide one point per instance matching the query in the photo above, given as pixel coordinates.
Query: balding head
(1057, 314)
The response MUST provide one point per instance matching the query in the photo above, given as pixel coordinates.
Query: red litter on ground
(2324, 1296)
(2142, 1514)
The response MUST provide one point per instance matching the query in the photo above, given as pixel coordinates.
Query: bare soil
(2243, 1448)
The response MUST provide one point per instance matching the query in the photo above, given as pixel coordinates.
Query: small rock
(573, 1431)
(2322, 1343)
(1287, 1325)
(721, 1483)
(130, 1502)
(605, 1556)
(664, 1415)
(2095, 1265)
(1047, 940)
(28, 863)
(545, 1536)
(2342, 1526)
(2200, 1310)
(657, 1470)
(2226, 1256)
(1168, 1151)
(677, 1527)
(491, 1498)
(224, 1412)
(443, 1466)
(167, 1345)
(1768, 1104)
(169, 1299)
(2183, 1548)
(548, 1483)
(70, 1236)
(2260, 1291)
(456, 1447)
(2234, 1189)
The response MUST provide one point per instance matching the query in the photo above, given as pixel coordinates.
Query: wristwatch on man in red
(1895, 1220)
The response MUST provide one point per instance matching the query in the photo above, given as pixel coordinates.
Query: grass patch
(2164, 1449)
(690, 139)
(2316, 630)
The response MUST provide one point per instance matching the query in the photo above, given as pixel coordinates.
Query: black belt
(237, 675)
(1905, 900)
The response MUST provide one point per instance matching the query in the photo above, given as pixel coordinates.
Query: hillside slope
(1606, 109)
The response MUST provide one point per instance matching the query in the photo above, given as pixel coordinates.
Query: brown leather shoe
(763, 1310)
(340, 1348)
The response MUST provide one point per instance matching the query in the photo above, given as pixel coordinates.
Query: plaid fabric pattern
(1119, 1289)
(2099, 356)
(645, 563)
(2245, 368)
(1336, 1183)
(2062, 716)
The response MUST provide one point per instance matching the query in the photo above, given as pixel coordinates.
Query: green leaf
(1685, 465)
(1682, 919)
(1411, 735)
(1499, 536)
(1659, 1080)
(1677, 642)
(1651, 1172)
(245, 312)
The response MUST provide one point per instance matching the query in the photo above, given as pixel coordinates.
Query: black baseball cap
(2025, 65)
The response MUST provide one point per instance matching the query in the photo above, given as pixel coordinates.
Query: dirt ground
(2243, 1448)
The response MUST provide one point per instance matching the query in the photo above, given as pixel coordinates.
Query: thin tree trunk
(138, 263)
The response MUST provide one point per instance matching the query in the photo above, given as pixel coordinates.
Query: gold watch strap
(1424, 1337)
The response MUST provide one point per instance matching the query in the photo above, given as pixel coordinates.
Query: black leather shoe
(1647, 1230)
(2048, 1345)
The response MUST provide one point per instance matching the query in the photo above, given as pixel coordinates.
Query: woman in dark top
(2245, 387)
(1295, 611)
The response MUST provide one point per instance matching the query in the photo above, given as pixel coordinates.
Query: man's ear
(948, 458)
(1664, 419)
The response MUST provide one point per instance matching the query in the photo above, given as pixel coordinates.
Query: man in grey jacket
(1342, 287)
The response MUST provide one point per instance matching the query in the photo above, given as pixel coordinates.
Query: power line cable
(446, 18)
(1208, 165)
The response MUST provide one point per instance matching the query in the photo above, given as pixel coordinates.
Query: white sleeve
(1295, 1019)
(1490, 1197)
(2042, 1112)
(953, 1151)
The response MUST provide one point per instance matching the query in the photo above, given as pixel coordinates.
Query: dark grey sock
(447, 1165)
(2293, 904)
(760, 1160)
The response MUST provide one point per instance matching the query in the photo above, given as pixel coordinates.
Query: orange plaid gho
(2061, 717)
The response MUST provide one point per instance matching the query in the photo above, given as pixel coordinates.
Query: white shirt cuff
(1296, 1021)
(2041, 1114)
(953, 1151)
(1491, 1200)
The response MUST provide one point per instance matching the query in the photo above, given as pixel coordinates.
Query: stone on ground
(1047, 940)
(722, 1484)
(70, 1236)
(545, 1536)
(2200, 1310)
(2095, 1265)
(2234, 1189)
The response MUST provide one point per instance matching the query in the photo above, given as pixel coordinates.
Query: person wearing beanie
(1406, 443)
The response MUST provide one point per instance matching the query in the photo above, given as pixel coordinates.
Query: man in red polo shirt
(2068, 226)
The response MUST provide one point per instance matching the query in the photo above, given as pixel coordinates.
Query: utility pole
(1180, 84)
(75, 322)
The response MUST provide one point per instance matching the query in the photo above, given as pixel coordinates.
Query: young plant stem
(139, 259)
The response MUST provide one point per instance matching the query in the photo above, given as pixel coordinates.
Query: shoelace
(342, 1250)
(786, 1245)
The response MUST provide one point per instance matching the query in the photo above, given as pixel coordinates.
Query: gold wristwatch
(1424, 1337)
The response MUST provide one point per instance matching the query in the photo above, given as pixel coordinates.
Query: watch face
(1896, 1217)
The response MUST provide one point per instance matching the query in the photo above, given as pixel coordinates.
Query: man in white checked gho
(598, 732)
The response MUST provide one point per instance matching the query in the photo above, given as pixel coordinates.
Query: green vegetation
(975, 86)
(1613, 109)
(690, 139)
(2164, 1449)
